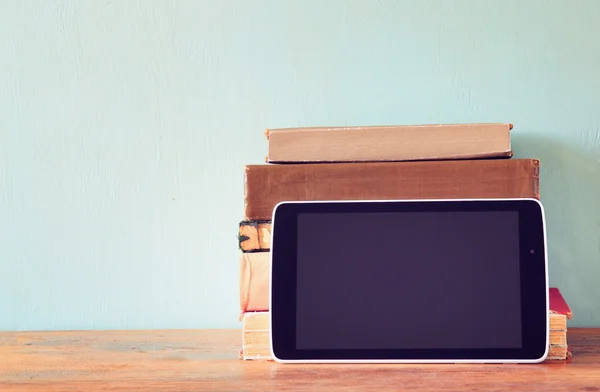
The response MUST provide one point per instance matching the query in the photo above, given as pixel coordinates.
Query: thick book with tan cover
(254, 281)
(256, 336)
(256, 327)
(267, 184)
(388, 143)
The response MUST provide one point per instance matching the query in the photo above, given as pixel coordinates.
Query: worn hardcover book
(256, 328)
(255, 278)
(254, 236)
(266, 185)
(256, 339)
(254, 281)
(388, 143)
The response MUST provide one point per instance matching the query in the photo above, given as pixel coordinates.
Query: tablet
(420, 281)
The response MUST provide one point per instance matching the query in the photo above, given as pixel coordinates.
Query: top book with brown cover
(389, 143)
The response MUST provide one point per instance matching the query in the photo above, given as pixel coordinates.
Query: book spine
(389, 143)
(254, 236)
(254, 281)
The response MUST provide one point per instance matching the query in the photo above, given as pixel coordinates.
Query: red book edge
(558, 305)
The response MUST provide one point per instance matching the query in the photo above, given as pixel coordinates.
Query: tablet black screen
(411, 280)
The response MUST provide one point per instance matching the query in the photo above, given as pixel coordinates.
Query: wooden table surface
(207, 360)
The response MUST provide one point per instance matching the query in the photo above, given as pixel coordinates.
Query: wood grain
(208, 360)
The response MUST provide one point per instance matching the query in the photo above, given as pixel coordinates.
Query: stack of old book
(453, 161)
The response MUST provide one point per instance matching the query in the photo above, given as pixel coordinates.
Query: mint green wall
(124, 127)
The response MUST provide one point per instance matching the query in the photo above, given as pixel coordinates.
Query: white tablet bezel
(416, 361)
